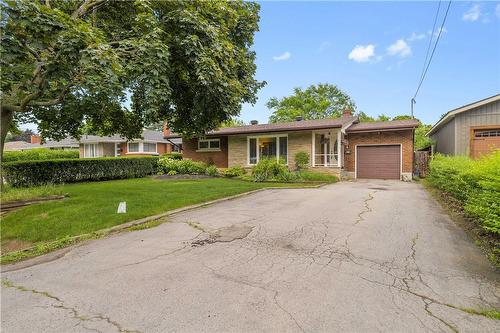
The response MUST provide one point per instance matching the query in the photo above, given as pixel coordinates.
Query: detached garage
(381, 150)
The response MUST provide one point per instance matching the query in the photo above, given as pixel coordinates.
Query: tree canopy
(233, 122)
(315, 102)
(20, 135)
(118, 66)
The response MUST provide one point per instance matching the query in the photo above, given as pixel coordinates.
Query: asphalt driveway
(350, 257)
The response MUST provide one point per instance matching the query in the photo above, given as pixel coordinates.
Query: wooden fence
(421, 167)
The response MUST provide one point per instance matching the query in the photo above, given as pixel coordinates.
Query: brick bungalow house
(343, 146)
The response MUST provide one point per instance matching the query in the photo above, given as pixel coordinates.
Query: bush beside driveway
(472, 187)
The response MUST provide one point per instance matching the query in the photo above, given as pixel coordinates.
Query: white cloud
(400, 48)
(472, 14)
(414, 36)
(497, 10)
(436, 33)
(285, 56)
(362, 53)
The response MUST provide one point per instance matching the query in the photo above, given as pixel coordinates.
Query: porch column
(313, 157)
(339, 149)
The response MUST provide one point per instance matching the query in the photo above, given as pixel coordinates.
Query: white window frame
(208, 149)
(277, 136)
(141, 148)
(95, 145)
(134, 152)
(150, 152)
(339, 146)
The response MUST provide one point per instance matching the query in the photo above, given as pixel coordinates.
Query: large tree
(315, 102)
(117, 66)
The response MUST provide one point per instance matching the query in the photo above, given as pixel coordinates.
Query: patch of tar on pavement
(225, 235)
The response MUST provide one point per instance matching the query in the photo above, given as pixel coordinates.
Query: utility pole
(413, 102)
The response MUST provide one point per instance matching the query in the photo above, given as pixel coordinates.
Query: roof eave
(451, 114)
(257, 131)
(382, 129)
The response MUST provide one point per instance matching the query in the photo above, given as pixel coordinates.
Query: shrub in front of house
(475, 184)
(34, 173)
(184, 166)
(235, 171)
(270, 169)
(212, 171)
(39, 154)
(301, 160)
(174, 156)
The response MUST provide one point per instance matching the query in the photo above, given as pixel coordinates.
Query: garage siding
(405, 138)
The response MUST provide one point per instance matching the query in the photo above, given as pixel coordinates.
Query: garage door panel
(485, 141)
(382, 162)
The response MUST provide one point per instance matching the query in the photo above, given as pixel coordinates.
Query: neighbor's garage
(380, 150)
(484, 141)
(381, 162)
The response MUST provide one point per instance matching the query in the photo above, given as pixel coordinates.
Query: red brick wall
(396, 137)
(163, 148)
(219, 158)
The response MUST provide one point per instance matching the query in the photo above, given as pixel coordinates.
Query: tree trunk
(6, 120)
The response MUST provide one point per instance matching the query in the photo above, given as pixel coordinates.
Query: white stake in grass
(122, 207)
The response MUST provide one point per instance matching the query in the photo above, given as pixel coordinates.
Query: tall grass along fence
(39, 154)
(34, 173)
(474, 183)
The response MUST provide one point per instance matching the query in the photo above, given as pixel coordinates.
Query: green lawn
(92, 206)
(9, 194)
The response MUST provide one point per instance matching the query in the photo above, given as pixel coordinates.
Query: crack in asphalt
(258, 286)
(74, 312)
(282, 251)
(409, 271)
(366, 207)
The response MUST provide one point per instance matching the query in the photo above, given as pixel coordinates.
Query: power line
(432, 54)
(430, 39)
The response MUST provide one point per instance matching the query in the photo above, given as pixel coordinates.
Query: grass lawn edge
(10, 260)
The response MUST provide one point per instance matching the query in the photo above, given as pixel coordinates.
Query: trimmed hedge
(474, 183)
(39, 154)
(34, 173)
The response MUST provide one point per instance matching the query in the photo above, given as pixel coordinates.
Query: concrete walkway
(350, 257)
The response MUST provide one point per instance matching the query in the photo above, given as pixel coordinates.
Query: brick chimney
(347, 113)
(35, 139)
(166, 130)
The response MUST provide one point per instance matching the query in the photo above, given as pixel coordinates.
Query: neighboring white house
(151, 143)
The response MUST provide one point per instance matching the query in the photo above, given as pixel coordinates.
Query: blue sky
(303, 43)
